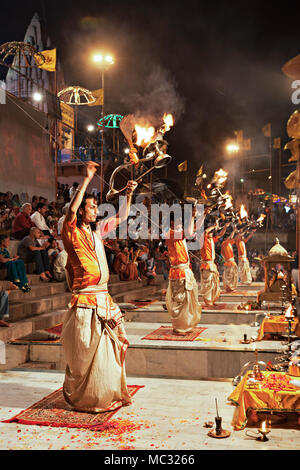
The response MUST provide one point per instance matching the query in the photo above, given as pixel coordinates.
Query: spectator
(59, 265)
(15, 201)
(34, 202)
(53, 251)
(22, 223)
(16, 271)
(66, 194)
(72, 190)
(31, 251)
(62, 218)
(254, 269)
(151, 268)
(38, 218)
(4, 218)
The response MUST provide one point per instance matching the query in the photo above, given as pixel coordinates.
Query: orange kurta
(241, 247)
(178, 254)
(208, 251)
(227, 251)
(82, 266)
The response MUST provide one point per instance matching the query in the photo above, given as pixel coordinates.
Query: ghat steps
(44, 306)
(217, 353)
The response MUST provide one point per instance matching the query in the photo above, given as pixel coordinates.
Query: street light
(37, 96)
(90, 128)
(103, 60)
(232, 148)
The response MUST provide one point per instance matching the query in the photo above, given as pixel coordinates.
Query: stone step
(43, 289)
(144, 292)
(155, 313)
(29, 308)
(217, 354)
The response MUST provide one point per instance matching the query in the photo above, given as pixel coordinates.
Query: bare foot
(4, 323)
(43, 277)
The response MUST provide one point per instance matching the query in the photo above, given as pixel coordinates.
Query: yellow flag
(293, 180)
(99, 96)
(200, 171)
(276, 143)
(49, 63)
(267, 130)
(239, 136)
(182, 166)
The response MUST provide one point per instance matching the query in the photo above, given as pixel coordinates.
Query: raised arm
(91, 169)
(108, 225)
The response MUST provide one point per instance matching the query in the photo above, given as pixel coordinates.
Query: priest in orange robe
(182, 293)
(93, 336)
(244, 272)
(210, 280)
(230, 274)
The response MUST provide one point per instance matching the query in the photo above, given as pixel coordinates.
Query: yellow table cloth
(277, 325)
(273, 393)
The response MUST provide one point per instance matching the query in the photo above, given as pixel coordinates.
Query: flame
(264, 426)
(243, 212)
(261, 218)
(228, 201)
(169, 121)
(220, 176)
(143, 135)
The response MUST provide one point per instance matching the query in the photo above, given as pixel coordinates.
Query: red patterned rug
(143, 303)
(34, 337)
(215, 307)
(54, 411)
(166, 333)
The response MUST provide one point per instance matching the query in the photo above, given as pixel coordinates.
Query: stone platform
(216, 353)
(169, 415)
(181, 378)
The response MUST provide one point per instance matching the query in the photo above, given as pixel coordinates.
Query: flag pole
(55, 134)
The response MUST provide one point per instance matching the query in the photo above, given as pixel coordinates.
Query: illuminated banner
(67, 114)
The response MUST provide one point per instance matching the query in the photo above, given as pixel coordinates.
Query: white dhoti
(210, 283)
(244, 270)
(182, 301)
(230, 275)
(95, 378)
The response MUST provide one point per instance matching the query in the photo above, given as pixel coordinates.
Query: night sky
(215, 65)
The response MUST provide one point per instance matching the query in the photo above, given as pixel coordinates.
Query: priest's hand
(111, 323)
(91, 169)
(131, 186)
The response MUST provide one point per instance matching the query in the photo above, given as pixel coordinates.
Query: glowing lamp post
(103, 61)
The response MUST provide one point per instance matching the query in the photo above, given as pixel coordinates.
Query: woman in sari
(16, 271)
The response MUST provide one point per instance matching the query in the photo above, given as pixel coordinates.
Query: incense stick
(217, 407)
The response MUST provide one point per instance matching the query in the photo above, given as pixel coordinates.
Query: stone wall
(25, 161)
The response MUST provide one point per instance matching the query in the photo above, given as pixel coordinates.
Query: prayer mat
(215, 307)
(166, 333)
(143, 303)
(240, 292)
(41, 336)
(54, 411)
